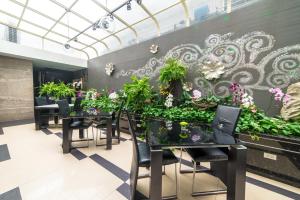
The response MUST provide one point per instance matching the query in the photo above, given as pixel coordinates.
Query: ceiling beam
(152, 17)
(186, 12)
(23, 11)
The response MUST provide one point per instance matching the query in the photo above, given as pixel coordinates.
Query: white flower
(169, 101)
(113, 96)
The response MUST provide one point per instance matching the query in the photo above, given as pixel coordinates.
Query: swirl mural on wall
(246, 60)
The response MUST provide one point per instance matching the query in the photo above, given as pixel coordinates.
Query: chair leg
(176, 182)
(180, 160)
(194, 174)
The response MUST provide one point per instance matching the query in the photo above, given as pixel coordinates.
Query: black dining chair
(223, 127)
(141, 158)
(101, 124)
(76, 124)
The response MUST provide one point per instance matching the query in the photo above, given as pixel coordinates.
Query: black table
(67, 131)
(162, 135)
(42, 114)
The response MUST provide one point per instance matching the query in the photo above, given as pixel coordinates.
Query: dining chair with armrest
(223, 127)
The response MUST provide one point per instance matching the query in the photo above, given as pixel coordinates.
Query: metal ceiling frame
(151, 16)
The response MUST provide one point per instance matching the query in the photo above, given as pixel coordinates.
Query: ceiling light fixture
(106, 22)
(128, 5)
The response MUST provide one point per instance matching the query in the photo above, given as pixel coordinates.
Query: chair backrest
(40, 101)
(77, 104)
(135, 157)
(64, 108)
(224, 124)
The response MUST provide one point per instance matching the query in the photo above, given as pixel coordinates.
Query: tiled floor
(36, 169)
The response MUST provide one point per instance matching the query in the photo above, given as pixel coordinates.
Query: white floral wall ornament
(154, 48)
(211, 67)
(110, 67)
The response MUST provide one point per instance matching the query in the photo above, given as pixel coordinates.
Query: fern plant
(57, 91)
(137, 93)
(172, 71)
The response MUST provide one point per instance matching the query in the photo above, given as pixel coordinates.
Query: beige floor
(42, 172)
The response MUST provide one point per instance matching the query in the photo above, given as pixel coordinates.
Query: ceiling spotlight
(139, 2)
(76, 39)
(107, 23)
(128, 5)
(67, 46)
(110, 15)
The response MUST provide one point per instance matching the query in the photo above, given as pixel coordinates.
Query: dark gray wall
(16, 89)
(262, 32)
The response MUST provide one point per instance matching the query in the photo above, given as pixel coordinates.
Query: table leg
(155, 190)
(37, 119)
(67, 136)
(56, 120)
(109, 134)
(81, 133)
(236, 174)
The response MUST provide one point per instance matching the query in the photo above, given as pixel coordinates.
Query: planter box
(275, 157)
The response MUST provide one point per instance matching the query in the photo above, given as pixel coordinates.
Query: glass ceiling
(51, 23)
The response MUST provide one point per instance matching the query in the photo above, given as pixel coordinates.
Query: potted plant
(171, 78)
(57, 91)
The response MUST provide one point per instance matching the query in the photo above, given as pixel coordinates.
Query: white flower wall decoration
(109, 69)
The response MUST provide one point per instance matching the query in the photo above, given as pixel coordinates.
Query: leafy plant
(137, 93)
(57, 91)
(172, 71)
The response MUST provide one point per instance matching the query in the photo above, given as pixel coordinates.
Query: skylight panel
(38, 19)
(12, 8)
(31, 28)
(76, 45)
(56, 37)
(101, 49)
(89, 9)
(75, 21)
(146, 29)
(132, 16)
(86, 40)
(66, 3)
(91, 52)
(171, 19)
(112, 43)
(64, 30)
(99, 33)
(154, 6)
(47, 7)
(111, 4)
(127, 37)
(8, 19)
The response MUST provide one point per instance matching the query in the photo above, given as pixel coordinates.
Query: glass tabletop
(177, 134)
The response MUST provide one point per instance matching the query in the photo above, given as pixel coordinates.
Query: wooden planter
(275, 157)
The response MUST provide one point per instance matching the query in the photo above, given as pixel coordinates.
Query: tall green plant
(172, 71)
(137, 92)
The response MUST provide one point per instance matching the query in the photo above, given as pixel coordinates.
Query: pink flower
(197, 94)
(286, 99)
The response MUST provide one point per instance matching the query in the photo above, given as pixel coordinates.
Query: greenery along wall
(256, 46)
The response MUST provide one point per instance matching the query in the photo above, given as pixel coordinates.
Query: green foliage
(257, 123)
(252, 123)
(137, 93)
(57, 91)
(99, 101)
(172, 71)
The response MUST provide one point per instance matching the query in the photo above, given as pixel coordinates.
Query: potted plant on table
(57, 91)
